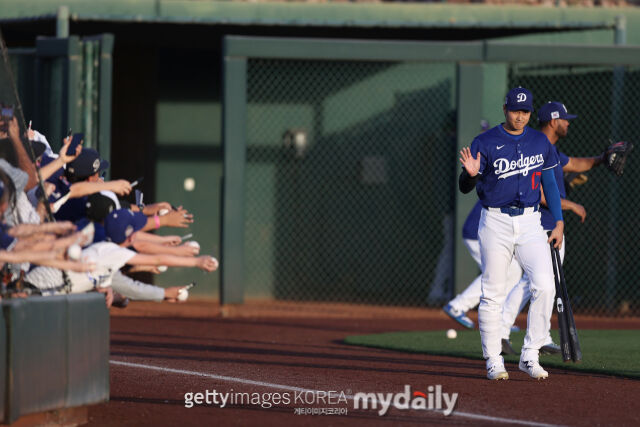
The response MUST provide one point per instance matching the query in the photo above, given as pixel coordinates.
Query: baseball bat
(565, 345)
(574, 342)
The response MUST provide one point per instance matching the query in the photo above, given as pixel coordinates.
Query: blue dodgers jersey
(548, 222)
(471, 224)
(511, 166)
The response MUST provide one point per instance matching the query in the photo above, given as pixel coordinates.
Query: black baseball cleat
(506, 347)
(551, 348)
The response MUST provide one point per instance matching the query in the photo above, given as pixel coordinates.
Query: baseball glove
(615, 156)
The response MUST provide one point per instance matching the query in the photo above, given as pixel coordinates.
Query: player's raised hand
(471, 164)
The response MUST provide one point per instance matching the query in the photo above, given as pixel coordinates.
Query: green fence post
(617, 100)
(73, 84)
(103, 52)
(62, 87)
(234, 146)
(88, 83)
(104, 97)
(470, 114)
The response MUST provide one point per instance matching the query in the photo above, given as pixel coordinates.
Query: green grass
(610, 352)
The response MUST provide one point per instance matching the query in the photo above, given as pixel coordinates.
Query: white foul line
(305, 390)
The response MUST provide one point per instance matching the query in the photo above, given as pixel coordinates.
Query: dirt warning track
(162, 355)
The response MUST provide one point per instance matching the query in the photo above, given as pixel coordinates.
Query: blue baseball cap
(86, 164)
(554, 110)
(518, 99)
(122, 223)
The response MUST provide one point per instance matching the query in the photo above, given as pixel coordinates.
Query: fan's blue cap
(122, 223)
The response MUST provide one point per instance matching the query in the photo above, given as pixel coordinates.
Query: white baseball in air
(189, 184)
(162, 268)
(163, 212)
(183, 294)
(74, 252)
(452, 334)
(194, 244)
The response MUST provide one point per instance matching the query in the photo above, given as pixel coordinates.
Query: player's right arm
(582, 164)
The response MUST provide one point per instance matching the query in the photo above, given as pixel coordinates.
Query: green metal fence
(348, 184)
(341, 165)
(64, 83)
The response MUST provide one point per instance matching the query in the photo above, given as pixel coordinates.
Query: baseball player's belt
(515, 210)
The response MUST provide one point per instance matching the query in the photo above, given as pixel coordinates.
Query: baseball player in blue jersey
(554, 122)
(506, 165)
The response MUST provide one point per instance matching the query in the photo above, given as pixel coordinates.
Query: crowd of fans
(64, 229)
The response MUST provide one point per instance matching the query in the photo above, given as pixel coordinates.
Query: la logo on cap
(96, 165)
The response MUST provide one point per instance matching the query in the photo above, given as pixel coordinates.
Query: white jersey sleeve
(108, 258)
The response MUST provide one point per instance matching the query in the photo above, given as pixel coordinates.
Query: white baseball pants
(518, 297)
(135, 289)
(501, 238)
(470, 297)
